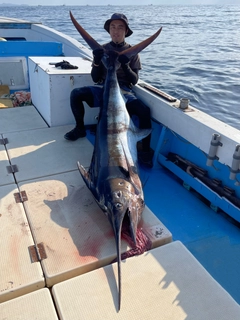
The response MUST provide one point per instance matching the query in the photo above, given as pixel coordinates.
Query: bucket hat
(118, 16)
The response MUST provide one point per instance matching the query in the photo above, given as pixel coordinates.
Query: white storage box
(51, 88)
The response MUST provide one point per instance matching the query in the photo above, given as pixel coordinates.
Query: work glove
(97, 55)
(65, 65)
(124, 60)
(132, 76)
(68, 66)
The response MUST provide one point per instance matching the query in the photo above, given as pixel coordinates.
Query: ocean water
(197, 54)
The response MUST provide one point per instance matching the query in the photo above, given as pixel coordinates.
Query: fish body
(113, 175)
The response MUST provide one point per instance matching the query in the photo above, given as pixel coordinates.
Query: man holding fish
(118, 28)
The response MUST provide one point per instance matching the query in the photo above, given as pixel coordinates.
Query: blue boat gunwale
(30, 48)
(17, 25)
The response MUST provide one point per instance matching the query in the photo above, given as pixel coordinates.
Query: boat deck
(38, 162)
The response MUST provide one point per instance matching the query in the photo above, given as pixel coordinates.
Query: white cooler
(51, 88)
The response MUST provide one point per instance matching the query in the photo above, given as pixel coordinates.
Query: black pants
(135, 107)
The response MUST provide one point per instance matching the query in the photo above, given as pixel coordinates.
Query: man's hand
(97, 56)
(124, 60)
(131, 75)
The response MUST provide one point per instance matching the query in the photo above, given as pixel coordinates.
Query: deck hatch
(20, 196)
(37, 252)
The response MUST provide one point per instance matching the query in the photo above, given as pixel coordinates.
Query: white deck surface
(44, 152)
(37, 305)
(76, 234)
(5, 177)
(164, 283)
(18, 274)
(60, 211)
(19, 119)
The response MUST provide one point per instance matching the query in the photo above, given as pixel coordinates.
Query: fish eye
(119, 194)
(118, 205)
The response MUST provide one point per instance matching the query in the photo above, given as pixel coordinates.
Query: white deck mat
(167, 283)
(37, 305)
(20, 118)
(76, 234)
(44, 152)
(18, 275)
(5, 177)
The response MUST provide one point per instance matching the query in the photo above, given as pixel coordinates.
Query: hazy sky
(113, 2)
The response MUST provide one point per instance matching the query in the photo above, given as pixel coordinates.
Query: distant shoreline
(13, 5)
(232, 2)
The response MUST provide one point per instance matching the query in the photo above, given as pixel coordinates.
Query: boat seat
(164, 283)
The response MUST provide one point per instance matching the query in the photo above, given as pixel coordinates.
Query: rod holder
(235, 163)
(212, 154)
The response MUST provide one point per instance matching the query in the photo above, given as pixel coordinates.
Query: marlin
(113, 176)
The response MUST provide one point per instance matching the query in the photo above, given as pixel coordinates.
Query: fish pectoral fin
(89, 183)
(139, 134)
(101, 205)
(85, 175)
(142, 133)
